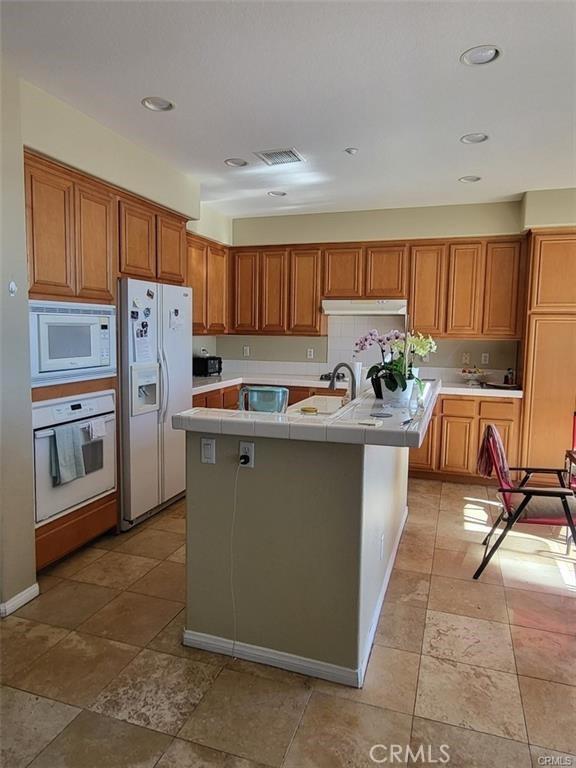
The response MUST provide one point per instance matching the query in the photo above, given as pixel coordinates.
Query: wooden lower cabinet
(426, 457)
(455, 433)
(457, 445)
(227, 397)
(68, 533)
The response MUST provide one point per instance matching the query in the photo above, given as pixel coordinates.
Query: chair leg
(488, 555)
(486, 539)
(571, 525)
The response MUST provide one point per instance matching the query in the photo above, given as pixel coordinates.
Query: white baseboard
(378, 609)
(19, 600)
(310, 667)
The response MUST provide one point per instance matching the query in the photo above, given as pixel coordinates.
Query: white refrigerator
(156, 382)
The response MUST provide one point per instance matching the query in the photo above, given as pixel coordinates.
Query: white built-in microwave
(71, 341)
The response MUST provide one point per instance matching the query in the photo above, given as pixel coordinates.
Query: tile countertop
(364, 421)
(210, 383)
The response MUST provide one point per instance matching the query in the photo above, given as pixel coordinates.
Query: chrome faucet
(332, 384)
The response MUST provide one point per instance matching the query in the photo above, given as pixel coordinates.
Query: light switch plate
(246, 351)
(310, 353)
(208, 450)
(485, 359)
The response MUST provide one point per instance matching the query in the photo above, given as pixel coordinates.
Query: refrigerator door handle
(165, 386)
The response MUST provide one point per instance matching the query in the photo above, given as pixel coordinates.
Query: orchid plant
(399, 351)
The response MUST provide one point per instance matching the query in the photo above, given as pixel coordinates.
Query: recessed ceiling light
(480, 54)
(474, 138)
(351, 150)
(157, 104)
(470, 179)
(277, 193)
(235, 162)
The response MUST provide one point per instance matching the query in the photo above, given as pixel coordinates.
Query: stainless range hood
(397, 307)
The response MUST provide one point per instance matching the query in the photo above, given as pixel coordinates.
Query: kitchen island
(288, 561)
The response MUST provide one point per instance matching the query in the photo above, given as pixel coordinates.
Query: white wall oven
(74, 452)
(71, 341)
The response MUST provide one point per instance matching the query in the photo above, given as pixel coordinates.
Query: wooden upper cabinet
(96, 242)
(196, 257)
(553, 272)
(465, 290)
(304, 315)
(343, 273)
(428, 288)
(387, 272)
(50, 231)
(245, 285)
(137, 240)
(216, 289)
(171, 248)
(273, 291)
(503, 290)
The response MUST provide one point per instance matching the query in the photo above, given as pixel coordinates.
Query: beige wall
(291, 349)
(62, 132)
(433, 221)
(17, 554)
(503, 354)
(549, 208)
(212, 224)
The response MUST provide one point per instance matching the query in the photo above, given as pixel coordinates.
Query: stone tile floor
(94, 674)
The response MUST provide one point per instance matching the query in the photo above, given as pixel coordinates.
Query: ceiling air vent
(279, 156)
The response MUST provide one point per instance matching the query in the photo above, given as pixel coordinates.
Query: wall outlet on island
(485, 358)
(465, 358)
(246, 350)
(247, 449)
(310, 353)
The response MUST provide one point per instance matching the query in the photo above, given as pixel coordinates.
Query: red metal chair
(549, 505)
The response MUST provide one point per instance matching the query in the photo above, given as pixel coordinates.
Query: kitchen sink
(325, 405)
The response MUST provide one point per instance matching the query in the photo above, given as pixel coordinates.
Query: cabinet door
(216, 289)
(550, 390)
(465, 287)
(386, 272)
(343, 268)
(502, 290)
(273, 290)
(199, 401)
(171, 248)
(304, 315)
(428, 288)
(196, 257)
(137, 240)
(507, 430)
(214, 399)
(96, 242)
(50, 231)
(425, 457)
(245, 285)
(297, 394)
(458, 444)
(553, 278)
(230, 397)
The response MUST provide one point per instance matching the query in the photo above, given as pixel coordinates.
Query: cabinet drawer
(497, 410)
(453, 407)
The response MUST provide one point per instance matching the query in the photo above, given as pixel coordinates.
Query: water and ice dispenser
(145, 380)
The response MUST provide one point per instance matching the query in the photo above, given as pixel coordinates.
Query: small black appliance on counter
(207, 366)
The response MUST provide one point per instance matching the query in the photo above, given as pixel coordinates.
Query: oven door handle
(41, 433)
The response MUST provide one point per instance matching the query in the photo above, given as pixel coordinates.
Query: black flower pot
(377, 387)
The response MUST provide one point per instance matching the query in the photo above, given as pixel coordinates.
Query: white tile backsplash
(343, 332)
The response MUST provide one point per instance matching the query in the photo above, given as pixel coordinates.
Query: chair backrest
(264, 399)
(492, 457)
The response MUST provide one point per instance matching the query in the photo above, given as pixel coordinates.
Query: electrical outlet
(246, 351)
(310, 353)
(247, 449)
(485, 358)
(465, 358)
(208, 450)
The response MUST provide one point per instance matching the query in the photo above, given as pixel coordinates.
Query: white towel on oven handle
(97, 429)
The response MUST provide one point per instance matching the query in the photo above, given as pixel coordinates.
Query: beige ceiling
(320, 76)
